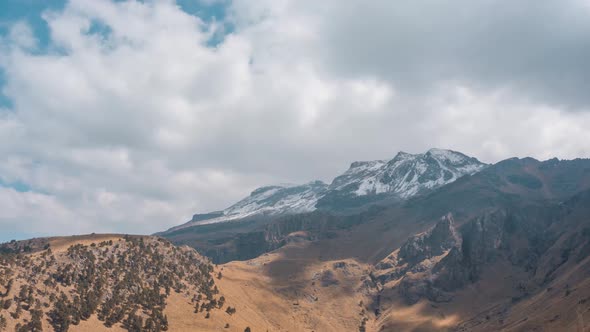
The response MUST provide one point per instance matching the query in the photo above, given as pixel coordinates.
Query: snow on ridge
(273, 200)
(405, 175)
(452, 156)
(365, 165)
(269, 200)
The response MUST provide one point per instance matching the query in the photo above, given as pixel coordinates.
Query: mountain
(265, 201)
(504, 249)
(512, 182)
(404, 176)
(248, 228)
(519, 268)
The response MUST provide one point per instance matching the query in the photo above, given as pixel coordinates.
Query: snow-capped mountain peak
(406, 174)
(402, 177)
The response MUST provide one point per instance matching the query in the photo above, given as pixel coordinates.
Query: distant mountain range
(404, 176)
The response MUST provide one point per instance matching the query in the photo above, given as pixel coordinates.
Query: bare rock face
(432, 243)
(438, 262)
(420, 251)
(413, 263)
(481, 240)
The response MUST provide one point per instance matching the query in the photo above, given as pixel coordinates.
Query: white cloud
(21, 35)
(131, 122)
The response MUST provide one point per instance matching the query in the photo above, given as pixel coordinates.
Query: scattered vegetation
(3, 323)
(124, 282)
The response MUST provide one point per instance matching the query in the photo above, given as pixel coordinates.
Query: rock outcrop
(411, 266)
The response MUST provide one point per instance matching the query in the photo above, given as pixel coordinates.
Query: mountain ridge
(507, 248)
(404, 176)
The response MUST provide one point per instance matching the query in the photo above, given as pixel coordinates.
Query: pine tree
(164, 325)
(36, 325)
(149, 325)
(75, 311)
(7, 304)
(133, 323)
(60, 315)
(18, 311)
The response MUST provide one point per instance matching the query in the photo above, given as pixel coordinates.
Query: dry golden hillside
(271, 293)
(132, 283)
(103, 282)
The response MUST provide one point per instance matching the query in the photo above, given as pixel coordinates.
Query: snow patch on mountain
(407, 174)
(270, 200)
(404, 176)
(279, 199)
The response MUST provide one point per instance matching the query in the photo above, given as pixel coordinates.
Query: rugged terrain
(263, 221)
(365, 182)
(506, 248)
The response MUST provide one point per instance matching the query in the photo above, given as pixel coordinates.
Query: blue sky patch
(29, 11)
(214, 12)
(18, 186)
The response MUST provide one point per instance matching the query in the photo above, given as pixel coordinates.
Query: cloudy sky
(130, 116)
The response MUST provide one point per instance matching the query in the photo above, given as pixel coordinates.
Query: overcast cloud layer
(132, 116)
